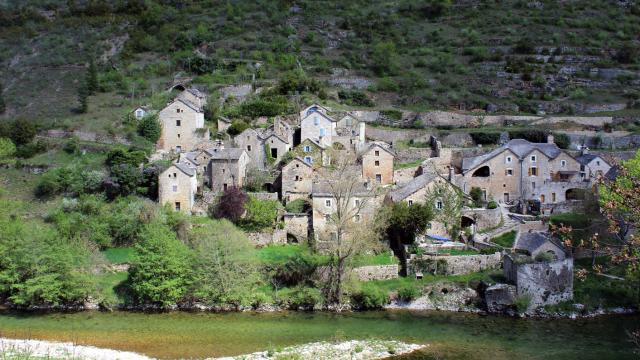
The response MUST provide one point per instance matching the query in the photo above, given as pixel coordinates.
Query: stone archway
(466, 221)
(483, 171)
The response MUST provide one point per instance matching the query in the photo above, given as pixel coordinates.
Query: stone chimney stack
(362, 137)
(550, 139)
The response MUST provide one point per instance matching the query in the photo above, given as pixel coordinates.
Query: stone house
(592, 166)
(251, 140)
(177, 186)
(297, 179)
(521, 171)
(182, 126)
(194, 96)
(312, 153)
(223, 124)
(318, 127)
(227, 167)
(533, 243)
(324, 205)
(140, 112)
(377, 164)
(276, 145)
(416, 192)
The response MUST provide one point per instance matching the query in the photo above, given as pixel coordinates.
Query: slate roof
(519, 147)
(225, 154)
(189, 104)
(412, 186)
(586, 158)
(323, 189)
(196, 92)
(378, 145)
(191, 156)
(612, 174)
(185, 169)
(321, 114)
(299, 159)
(532, 241)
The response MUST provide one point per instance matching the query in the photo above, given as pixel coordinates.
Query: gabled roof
(196, 92)
(187, 103)
(316, 105)
(519, 147)
(225, 154)
(321, 114)
(266, 135)
(585, 159)
(323, 189)
(379, 146)
(417, 183)
(185, 168)
(532, 241)
(299, 159)
(191, 156)
(612, 174)
(313, 142)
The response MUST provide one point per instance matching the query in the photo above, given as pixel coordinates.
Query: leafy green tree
(406, 221)
(384, 57)
(91, 78)
(83, 97)
(446, 202)
(123, 180)
(261, 214)
(225, 266)
(161, 270)
(7, 148)
(150, 128)
(121, 155)
(22, 131)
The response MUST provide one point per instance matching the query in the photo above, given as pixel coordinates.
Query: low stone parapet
(376, 272)
(454, 265)
(261, 239)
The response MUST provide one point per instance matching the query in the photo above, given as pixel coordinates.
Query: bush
(261, 214)
(370, 297)
(298, 206)
(485, 138)
(150, 128)
(124, 156)
(476, 196)
(562, 140)
(535, 136)
(301, 296)
(522, 303)
(237, 127)
(230, 205)
(22, 131)
(7, 148)
(408, 292)
(355, 97)
(31, 149)
(492, 205)
(72, 146)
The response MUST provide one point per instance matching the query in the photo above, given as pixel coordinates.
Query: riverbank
(346, 350)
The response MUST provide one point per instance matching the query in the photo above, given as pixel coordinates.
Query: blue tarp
(436, 237)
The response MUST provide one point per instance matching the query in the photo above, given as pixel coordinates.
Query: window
(177, 205)
(439, 204)
(178, 110)
(178, 122)
(533, 171)
(598, 163)
(581, 167)
(429, 226)
(334, 236)
(553, 197)
(175, 188)
(563, 163)
(410, 202)
(297, 166)
(327, 203)
(139, 114)
(178, 148)
(542, 198)
(307, 148)
(297, 178)
(178, 136)
(378, 178)
(357, 202)
(175, 175)
(377, 163)
(356, 218)
(316, 121)
(377, 153)
(224, 170)
(248, 147)
(322, 132)
(327, 217)
(224, 187)
(347, 121)
(508, 160)
(308, 160)
(533, 184)
(533, 158)
(509, 172)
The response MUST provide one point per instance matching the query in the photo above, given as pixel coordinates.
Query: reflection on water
(450, 335)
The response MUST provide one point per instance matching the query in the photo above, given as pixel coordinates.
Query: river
(450, 335)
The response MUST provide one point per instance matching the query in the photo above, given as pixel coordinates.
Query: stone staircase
(510, 222)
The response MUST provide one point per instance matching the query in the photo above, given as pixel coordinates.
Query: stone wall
(376, 272)
(297, 225)
(260, 239)
(394, 135)
(546, 283)
(454, 265)
(485, 218)
(264, 195)
(412, 154)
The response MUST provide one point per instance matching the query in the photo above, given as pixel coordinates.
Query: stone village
(501, 190)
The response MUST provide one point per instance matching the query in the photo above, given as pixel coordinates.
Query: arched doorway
(482, 172)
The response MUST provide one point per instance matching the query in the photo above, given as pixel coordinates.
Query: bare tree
(350, 229)
(446, 201)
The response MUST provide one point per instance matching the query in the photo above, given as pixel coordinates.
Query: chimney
(550, 139)
(451, 173)
(362, 131)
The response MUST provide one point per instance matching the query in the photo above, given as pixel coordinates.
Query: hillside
(569, 57)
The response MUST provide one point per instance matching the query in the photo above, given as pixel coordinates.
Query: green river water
(450, 335)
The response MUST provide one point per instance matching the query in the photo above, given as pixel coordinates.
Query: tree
(124, 180)
(406, 221)
(225, 266)
(384, 57)
(446, 202)
(161, 270)
(349, 232)
(91, 78)
(150, 128)
(22, 131)
(3, 105)
(620, 203)
(261, 214)
(230, 205)
(7, 148)
(83, 97)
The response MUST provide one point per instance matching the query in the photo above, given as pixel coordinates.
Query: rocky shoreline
(347, 350)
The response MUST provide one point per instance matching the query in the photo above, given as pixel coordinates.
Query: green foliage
(22, 131)
(522, 303)
(370, 297)
(160, 273)
(7, 148)
(298, 206)
(150, 128)
(119, 255)
(123, 156)
(123, 180)
(3, 105)
(72, 179)
(476, 196)
(91, 78)
(355, 97)
(301, 297)
(265, 106)
(230, 205)
(485, 138)
(72, 146)
(532, 135)
(83, 98)
(261, 214)
(384, 58)
(225, 266)
(31, 149)
(406, 221)
(492, 205)
(562, 140)
(293, 82)
(505, 240)
(38, 266)
(289, 265)
(409, 292)
(237, 127)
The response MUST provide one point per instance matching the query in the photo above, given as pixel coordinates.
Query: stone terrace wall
(394, 135)
(455, 265)
(264, 195)
(297, 225)
(376, 272)
(412, 154)
(546, 283)
(260, 239)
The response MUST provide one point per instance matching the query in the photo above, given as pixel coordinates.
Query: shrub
(476, 196)
(22, 131)
(123, 156)
(7, 148)
(72, 146)
(230, 205)
(408, 292)
(485, 138)
(355, 97)
(562, 140)
(543, 257)
(237, 127)
(535, 136)
(522, 303)
(31, 149)
(370, 297)
(261, 214)
(492, 205)
(301, 296)
(150, 128)
(298, 206)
